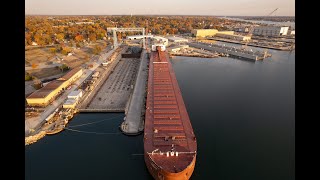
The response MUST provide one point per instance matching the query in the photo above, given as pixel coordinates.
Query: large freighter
(170, 146)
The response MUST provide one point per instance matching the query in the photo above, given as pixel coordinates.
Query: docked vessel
(170, 146)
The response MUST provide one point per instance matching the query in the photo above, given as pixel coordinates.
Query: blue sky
(167, 7)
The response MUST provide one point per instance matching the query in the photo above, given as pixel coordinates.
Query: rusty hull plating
(170, 146)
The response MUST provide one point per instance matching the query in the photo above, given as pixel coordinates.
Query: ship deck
(169, 139)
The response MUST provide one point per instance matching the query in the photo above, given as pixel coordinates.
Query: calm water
(292, 24)
(243, 114)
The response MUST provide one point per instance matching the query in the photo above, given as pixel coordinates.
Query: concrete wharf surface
(101, 110)
(116, 90)
(229, 50)
(87, 97)
(287, 48)
(133, 123)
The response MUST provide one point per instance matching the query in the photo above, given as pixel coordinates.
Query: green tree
(63, 67)
(28, 77)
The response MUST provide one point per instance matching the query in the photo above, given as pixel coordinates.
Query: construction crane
(272, 12)
(251, 28)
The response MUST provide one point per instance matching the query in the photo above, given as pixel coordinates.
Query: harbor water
(242, 112)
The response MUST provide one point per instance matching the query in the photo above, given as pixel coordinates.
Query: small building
(96, 74)
(105, 63)
(70, 103)
(176, 39)
(34, 44)
(293, 32)
(270, 30)
(75, 94)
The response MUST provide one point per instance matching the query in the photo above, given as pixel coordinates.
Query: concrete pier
(111, 110)
(133, 123)
(229, 50)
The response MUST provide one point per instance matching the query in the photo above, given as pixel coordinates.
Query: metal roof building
(177, 39)
(48, 93)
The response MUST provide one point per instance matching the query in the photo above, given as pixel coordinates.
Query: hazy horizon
(165, 7)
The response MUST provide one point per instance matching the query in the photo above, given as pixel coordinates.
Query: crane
(272, 12)
(251, 28)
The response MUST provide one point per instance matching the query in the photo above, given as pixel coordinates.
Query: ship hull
(170, 145)
(160, 174)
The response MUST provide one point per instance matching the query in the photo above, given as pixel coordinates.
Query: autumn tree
(60, 36)
(28, 37)
(79, 38)
(34, 65)
(97, 49)
(65, 50)
(53, 50)
(92, 37)
(86, 57)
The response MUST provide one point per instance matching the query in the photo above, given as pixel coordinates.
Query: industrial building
(241, 29)
(70, 103)
(233, 37)
(47, 94)
(160, 40)
(139, 37)
(204, 32)
(105, 63)
(77, 94)
(176, 39)
(73, 99)
(208, 32)
(270, 30)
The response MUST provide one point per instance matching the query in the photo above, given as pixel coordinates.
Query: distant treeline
(45, 30)
(268, 18)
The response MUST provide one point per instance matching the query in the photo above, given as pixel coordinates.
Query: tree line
(46, 30)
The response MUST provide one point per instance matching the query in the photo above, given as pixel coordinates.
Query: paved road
(42, 65)
(34, 123)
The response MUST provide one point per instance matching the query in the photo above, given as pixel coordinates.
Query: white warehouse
(139, 37)
(270, 30)
(161, 40)
(176, 39)
(75, 94)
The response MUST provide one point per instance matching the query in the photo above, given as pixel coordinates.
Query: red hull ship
(170, 146)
